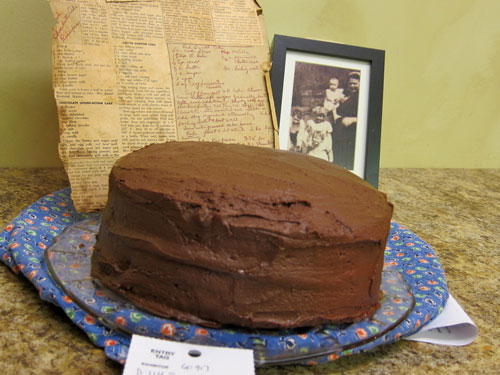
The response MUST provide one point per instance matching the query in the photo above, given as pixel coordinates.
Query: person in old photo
(344, 132)
(319, 135)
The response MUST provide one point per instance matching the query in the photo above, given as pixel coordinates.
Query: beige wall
(442, 77)
(28, 116)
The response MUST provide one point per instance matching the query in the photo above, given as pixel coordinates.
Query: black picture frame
(290, 53)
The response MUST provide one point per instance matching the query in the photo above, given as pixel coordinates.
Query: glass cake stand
(69, 262)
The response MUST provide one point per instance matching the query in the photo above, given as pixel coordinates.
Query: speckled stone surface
(457, 211)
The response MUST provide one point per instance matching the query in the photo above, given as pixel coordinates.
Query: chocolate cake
(213, 234)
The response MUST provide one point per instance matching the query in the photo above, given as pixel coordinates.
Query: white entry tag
(150, 356)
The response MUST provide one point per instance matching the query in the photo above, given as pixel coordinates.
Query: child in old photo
(319, 135)
(334, 95)
(297, 131)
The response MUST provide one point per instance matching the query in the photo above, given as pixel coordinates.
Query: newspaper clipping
(130, 73)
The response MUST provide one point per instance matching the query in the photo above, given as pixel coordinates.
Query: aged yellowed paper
(130, 73)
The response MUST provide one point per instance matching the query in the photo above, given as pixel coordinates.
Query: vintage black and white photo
(328, 102)
(324, 112)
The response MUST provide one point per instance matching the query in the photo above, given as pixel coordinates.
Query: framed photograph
(328, 100)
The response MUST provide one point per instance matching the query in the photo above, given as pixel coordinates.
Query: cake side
(251, 184)
(245, 236)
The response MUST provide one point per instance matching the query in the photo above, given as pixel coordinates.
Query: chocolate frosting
(229, 234)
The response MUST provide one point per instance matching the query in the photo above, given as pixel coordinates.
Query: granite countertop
(457, 211)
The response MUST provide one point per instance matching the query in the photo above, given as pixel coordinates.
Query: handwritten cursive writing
(61, 31)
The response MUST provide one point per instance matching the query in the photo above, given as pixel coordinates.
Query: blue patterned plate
(108, 320)
(69, 262)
